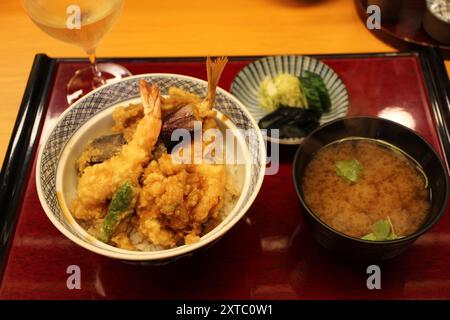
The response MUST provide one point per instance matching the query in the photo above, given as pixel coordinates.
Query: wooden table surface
(187, 28)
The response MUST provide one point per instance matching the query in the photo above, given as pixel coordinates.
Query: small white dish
(246, 86)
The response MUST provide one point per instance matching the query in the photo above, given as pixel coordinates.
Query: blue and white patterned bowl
(246, 85)
(91, 116)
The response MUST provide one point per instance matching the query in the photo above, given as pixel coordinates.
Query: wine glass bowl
(83, 23)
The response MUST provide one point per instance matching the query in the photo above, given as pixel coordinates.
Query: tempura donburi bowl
(91, 117)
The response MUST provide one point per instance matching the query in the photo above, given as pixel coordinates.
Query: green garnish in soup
(382, 230)
(349, 170)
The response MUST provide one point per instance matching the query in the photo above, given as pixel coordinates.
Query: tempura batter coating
(98, 183)
(176, 199)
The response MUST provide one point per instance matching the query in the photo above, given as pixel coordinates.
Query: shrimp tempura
(99, 182)
(214, 71)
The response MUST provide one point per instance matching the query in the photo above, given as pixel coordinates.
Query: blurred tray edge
(17, 163)
(438, 84)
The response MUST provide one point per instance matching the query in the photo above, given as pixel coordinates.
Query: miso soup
(362, 187)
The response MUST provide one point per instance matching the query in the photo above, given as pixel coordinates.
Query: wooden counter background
(187, 28)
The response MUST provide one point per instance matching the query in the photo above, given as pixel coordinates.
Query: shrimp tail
(214, 71)
(151, 99)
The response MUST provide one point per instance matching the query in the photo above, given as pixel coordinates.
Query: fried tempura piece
(99, 150)
(213, 71)
(176, 199)
(213, 179)
(126, 119)
(98, 183)
(178, 97)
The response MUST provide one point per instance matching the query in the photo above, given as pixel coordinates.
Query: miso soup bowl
(395, 134)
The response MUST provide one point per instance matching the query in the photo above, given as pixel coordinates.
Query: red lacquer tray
(269, 254)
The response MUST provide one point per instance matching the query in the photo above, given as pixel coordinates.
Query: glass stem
(97, 79)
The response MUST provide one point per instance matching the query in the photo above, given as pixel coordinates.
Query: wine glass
(83, 23)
